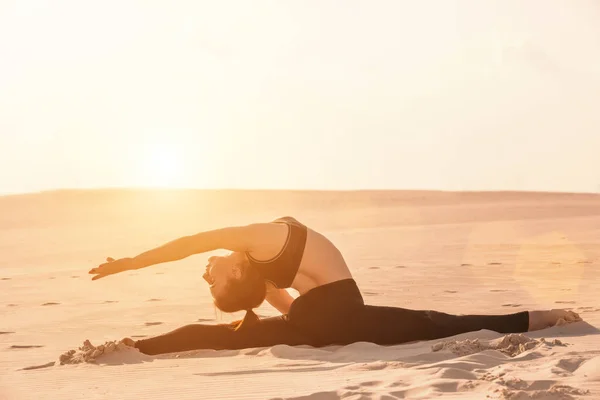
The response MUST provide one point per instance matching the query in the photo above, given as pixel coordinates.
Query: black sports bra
(282, 269)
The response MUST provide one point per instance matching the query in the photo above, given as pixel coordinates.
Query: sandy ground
(477, 253)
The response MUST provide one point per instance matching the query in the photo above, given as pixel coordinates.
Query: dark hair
(245, 293)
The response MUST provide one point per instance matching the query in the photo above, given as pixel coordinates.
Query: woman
(266, 259)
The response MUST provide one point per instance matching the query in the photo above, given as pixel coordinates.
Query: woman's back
(300, 257)
(322, 263)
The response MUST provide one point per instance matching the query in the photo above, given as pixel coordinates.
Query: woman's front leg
(189, 337)
(262, 333)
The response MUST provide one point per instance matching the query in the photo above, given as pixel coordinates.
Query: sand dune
(453, 252)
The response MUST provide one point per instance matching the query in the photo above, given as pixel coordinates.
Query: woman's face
(220, 269)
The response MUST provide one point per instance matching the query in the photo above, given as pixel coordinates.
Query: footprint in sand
(203, 320)
(511, 305)
(5, 279)
(110, 301)
(75, 276)
(588, 309)
(50, 364)
(11, 305)
(466, 265)
(52, 277)
(32, 346)
(584, 262)
(159, 273)
(400, 266)
(450, 291)
(155, 300)
(5, 333)
(570, 364)
(153, 323)
(370, 293)
(373, 267)
(51, 304)
(363, 385)
(498, 290)
(564, 302)
(139, 336)
(495, 263)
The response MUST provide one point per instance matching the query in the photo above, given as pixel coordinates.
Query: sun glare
(163, 167)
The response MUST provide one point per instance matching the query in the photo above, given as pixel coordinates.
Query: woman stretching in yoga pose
(266, 259)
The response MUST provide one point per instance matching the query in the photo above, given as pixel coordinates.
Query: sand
(477, 253)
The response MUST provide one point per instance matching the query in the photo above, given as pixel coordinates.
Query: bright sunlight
(162, 166)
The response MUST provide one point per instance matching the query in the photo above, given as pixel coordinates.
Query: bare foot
(547, 318)
(128, 342)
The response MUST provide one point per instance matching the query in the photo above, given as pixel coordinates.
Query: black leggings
(331, 314)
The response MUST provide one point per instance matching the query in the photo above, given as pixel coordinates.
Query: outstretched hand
(112, 266)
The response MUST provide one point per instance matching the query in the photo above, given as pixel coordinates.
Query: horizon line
(308, 190)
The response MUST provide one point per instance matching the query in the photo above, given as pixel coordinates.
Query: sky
(448, 95)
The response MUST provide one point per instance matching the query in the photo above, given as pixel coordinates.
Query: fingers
(108, 268)
(101, 272)
(95, 270)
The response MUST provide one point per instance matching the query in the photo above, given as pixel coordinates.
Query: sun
(162, 167)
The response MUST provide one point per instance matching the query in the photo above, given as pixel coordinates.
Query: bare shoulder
(265, 238)
(256, 237)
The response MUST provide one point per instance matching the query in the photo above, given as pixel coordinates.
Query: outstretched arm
(239, 238)
(250, 238)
